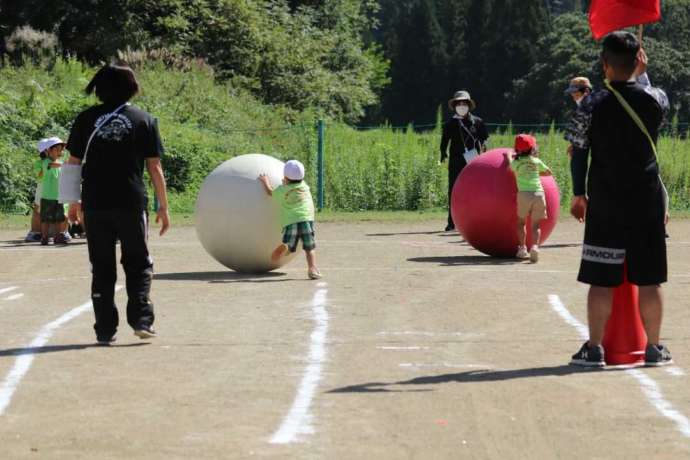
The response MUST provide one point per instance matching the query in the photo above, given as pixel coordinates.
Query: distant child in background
(52, 212)
(296, 214)
(530, 198)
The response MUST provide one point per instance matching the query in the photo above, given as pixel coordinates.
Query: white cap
(45, 144)
(294, 170)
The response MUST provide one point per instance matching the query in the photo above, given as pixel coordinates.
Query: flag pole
(640, 29)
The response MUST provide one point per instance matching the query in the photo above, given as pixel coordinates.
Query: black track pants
(130, 227)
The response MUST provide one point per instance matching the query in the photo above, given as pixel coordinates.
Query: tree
(301, 54)
(416, 45)
(568, 50)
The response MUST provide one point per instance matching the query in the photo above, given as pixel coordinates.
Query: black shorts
(52, 212)
(611, 245)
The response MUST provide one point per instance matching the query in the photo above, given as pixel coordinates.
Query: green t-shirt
(296, 204)
(51, 180)
(527, 169)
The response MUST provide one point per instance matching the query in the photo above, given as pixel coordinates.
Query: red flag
(608, 15)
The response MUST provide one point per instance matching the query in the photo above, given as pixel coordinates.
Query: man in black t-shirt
(467, 136)
(114, 141)
(624, 206)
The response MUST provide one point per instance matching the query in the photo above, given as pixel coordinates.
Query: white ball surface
(237, 222)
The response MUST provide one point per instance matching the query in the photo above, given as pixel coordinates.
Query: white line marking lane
(298, 420)
(649, 386)
(25, 356)
(15, 296)
(7, 289)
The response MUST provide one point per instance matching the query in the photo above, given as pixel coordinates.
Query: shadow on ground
(453, 261)
(55, 348)
(223, 277)
(478, 376)
(560, 245)
(24, 244)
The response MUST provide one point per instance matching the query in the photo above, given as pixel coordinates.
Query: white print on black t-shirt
(116, 129)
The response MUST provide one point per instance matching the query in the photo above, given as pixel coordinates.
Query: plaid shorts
(301, 230)
(52, 212)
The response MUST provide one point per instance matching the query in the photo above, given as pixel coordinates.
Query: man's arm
(445, 139)
(643, 79)
(153, 166)
(578, 171)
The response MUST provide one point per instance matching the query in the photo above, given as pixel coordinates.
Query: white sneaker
(522, 252)
(534, 254)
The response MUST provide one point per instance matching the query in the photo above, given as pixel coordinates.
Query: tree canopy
(370, 61)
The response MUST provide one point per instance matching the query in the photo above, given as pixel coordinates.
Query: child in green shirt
(296, 214)
(530, 198)
(51, 211)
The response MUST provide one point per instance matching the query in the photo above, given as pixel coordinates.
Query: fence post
(319, 162)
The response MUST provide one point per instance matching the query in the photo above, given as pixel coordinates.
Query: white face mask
(578, 101)
(462, 109)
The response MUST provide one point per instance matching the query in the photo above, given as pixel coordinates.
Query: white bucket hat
(294, 170)
(45, 144)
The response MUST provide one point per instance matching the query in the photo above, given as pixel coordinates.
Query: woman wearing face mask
(467, 137)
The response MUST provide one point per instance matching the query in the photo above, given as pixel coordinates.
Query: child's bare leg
(536, 232)
(313, 272)
(45, 227)
(62, 226)
(311, 260)
(279, 252)
(522, 236)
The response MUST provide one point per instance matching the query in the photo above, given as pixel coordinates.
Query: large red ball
(484, 205)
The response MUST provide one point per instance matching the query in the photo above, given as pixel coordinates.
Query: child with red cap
(530, 198)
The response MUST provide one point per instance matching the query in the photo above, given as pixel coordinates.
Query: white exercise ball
(237, 222)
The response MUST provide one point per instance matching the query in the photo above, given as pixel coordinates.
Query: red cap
(525, 142)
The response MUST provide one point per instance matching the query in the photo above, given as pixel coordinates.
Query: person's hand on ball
(578, 207)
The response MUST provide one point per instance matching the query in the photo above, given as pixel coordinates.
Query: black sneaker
(145, 332)
(106, 341)
(589, 356)
(450, 227)
(657, 355)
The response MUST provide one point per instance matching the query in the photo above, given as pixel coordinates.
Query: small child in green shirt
(51, 211)
(296, 214)
(530, 198)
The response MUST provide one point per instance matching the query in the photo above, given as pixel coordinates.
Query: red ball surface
(484, 205)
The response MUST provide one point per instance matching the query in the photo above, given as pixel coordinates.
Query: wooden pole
(640, 30)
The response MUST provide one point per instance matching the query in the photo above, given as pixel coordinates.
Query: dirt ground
(412, 346)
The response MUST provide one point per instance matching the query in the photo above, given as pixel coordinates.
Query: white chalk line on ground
(15, 296)
(649, 386)
(7, 289)
(298, 420)
(25, 356)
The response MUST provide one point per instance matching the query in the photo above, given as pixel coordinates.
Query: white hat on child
(45, 144)
(294, 170)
